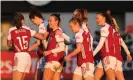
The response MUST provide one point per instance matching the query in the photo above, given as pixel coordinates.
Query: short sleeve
(104, 32)
(78, 38)
(33, 32)
(42, 29)
(9, 35)
(59, 38)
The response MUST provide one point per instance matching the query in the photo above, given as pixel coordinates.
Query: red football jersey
(86, 54)
(117, 40)
(108, 47)
(52, 44)
(20, 38)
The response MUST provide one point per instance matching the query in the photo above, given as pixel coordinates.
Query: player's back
(20, 38)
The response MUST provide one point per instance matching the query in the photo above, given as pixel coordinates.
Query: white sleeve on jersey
(32, 32)
(78, 37)
(104, 32)
(61, 45)
(9, 34)
(42, 28)
(59, 38)
(66, 37)
(91, 42)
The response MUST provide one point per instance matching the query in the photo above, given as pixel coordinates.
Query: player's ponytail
(35, 12)
(112, 21)
(17, 20)
(85, 15)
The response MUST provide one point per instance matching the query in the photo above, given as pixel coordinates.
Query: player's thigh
(119, 75)
(48, 74)
(99, 72)
(77, 77)
(57, 76)
(17, 75)
(110, 73)
(89, 77)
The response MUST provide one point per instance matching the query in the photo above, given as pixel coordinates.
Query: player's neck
(54, 28)
(40, 21)
(103, 24)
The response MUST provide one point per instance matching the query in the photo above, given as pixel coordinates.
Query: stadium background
(122, 11)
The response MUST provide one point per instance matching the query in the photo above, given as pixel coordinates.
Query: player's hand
(45, 53)
(59, 32)
(67, 58)
(129, 57)
(47, 33)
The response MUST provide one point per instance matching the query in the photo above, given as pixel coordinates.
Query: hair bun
(33, 9)
(58, 15)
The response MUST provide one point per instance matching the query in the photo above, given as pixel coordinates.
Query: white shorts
(41, 63)
(111, 64)
(83, 72)
(54, 66)
(22, 62)
(100, 65)
(118, 66)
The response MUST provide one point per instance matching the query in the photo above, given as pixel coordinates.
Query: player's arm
(104, 33)
(126, 49)
(59, 48)
(35, 45)
(66, 37)
(75, 52)
(124, 46)
(40, 36)
(9, 41)
(79, 40)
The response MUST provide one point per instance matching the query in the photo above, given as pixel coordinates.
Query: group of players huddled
(52, 47)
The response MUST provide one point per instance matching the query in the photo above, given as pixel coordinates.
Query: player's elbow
(9, 43)
(78, 50)
(38, 43)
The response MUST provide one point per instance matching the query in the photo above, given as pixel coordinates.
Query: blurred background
(122, 11)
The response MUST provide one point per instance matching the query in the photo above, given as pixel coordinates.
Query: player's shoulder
(58, 30)
(106, 27)
(12, 28)
(79, 33)
(26, 27)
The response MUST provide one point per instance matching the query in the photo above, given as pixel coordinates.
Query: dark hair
(79, 14)
(114, 23)
(108, 18)
(17, 20)
(35, 12)
(49, 30)
(85, 15)
(75, 20)
(57, 18)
